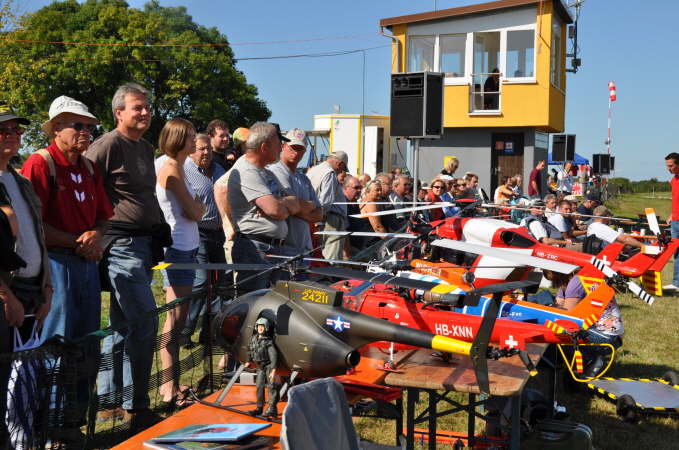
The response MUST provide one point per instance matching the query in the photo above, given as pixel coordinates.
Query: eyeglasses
(79, 126)
(10, 131)
(437, 187)
(358, 188)
(461, 185)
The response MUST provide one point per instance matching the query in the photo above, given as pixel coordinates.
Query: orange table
(241, 397)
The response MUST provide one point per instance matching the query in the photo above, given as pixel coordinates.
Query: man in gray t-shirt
(259, 207)
(297, 184)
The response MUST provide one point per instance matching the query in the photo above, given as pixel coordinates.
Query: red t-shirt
(674, 182)
(534, 176)
(78, 201)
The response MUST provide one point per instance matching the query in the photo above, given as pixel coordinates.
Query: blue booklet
(222, 432)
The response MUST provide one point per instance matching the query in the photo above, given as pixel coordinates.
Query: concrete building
(505, 82)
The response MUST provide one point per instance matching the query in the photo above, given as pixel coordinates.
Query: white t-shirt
(560, 223)
(603, 232)
(564, 182)
(536, 229)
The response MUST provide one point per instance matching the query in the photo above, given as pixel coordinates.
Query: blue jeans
(210, 250)
(75, 312)
(250, 251)
(130, 348)
(76, 302)
(675, 234)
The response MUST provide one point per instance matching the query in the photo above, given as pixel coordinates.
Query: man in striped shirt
(202, 172)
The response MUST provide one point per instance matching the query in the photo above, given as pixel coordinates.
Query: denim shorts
(179, 277)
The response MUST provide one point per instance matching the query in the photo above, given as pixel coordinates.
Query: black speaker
(612, 163)
(559, 148)
(417, 105)
(570, 147)
(601, 163)
(563, 147)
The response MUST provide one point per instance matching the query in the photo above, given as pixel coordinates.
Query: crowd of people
(89, 216)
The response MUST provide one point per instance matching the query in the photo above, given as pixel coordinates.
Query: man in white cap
(297, 184)
(75, 213)
(324, 180)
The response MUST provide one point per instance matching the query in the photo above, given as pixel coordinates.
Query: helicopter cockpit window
(516, 240)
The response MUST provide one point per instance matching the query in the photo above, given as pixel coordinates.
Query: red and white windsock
(612, 94)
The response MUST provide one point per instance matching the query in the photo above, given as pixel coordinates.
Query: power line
(210, 59)
(197, 44)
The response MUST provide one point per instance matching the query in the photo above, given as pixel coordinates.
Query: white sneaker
(670, 287)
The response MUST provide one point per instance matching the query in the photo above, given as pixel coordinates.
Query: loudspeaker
(417, 105)
(563, 147)
(601, 163)
(612, 163)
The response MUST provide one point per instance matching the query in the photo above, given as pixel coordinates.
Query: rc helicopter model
(450, 311)
(472, 243)
(317, 337)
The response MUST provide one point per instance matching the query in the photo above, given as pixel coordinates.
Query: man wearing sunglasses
(75, 213)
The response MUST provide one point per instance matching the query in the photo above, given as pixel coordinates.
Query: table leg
(516, 422)
(432, 420)
(410, 418)
(399, 418)
(471, 421)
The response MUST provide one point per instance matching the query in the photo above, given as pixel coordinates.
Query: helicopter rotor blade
(652, 221)
(631, 285)
(403, 210)
(508, 255)
(211, 266)
(479, 349)
(366, 233)
(382, 278)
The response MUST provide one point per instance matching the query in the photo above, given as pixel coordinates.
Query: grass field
(650, 349)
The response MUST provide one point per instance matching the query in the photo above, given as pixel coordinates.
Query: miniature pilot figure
(264, 356)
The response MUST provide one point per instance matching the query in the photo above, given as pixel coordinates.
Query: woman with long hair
(372, 194)
(182, 212)
(451, 166)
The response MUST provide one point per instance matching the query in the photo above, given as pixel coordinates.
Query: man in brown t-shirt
(126, 162)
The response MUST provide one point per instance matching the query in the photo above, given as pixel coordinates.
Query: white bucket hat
(64, 104)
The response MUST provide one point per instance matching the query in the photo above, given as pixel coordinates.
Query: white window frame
(555, 63)
(447, 81)
(466, 77)
(469, 56)
(503, 55)
(436, 44)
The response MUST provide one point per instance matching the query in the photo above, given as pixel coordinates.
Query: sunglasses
(79, 126)
(461, 185)
(10, 131)
(437, 187)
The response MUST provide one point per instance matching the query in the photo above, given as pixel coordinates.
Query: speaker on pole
(601, 163)
(417, 105)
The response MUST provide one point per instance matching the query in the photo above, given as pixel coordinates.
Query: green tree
(199, 83)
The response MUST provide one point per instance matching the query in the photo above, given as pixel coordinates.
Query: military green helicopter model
(316, 337)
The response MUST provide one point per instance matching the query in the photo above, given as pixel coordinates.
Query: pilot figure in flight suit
(264, 356)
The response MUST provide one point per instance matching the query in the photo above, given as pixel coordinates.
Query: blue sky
(624, 41)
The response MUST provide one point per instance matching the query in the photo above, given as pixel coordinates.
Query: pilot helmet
(262, 321)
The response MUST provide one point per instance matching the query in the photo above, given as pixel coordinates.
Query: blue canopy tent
(578, 160)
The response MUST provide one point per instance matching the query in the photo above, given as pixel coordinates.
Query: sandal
(180, 400)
